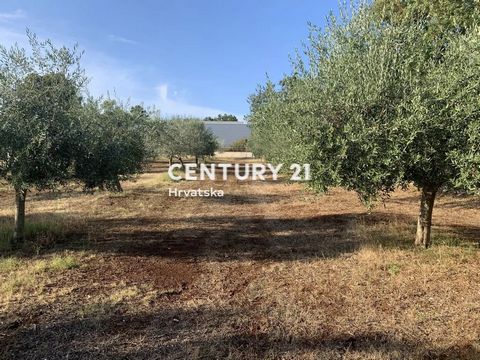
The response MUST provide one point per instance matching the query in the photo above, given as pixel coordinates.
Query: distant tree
(377, 105)
(199, 140)
(182, 137)
(239, 145)
(169, 139)
(40, 101)
(222, 117)
(113, 144)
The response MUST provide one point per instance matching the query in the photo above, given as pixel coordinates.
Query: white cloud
(14, 15)
(107, 75)
(113, 76)
(169, 106)
(123, 40)
(12, 28)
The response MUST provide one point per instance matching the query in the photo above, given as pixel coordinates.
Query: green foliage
(113, 145)
(197, 139)
(437, 17)
(376, 105)
(239, 145)
(181, 137)
(40, 95)
(60, 263)
(49, 135)
(221, 117)
(41, 230)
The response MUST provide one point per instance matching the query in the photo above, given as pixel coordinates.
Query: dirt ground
(269, 271)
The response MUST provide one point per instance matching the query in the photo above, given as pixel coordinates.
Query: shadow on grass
(446, 201)
(201, 333)
(226, 238)
(42, 231)
(390, 230)
(463, 202)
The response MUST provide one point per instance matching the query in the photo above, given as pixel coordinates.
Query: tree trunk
(181, 162)
(118, 185)
(170, 161)
(196, 159)
(424, 223)
(19, 232)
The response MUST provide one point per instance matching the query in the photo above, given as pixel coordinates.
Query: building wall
(228, 132)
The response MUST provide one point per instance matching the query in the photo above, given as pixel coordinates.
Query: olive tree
(374, 106)
(181, 137)
(112, 145)
(199, 141)
(170, 141)
(39, 100)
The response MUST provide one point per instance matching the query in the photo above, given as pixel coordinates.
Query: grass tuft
(393, 269)
(9, 264)
(26, 275)
(63, 263)
(164, 177)
(40, 231)
(124, 294)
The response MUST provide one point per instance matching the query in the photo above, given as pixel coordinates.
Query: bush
(238, 145)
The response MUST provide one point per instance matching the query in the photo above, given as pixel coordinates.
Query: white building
(228, 132)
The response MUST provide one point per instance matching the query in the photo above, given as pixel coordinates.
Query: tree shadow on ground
(201, 333)
(226, 238)
(463, 202)
(445, 200)
(248, 199)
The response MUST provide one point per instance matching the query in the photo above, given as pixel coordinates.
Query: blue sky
(185, 57)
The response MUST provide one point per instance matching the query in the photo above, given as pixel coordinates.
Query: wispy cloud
(122, 40)
(108, 75)
(170, 106)
(14, 15)
(114, 76)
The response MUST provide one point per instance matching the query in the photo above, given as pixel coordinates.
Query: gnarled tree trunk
(19, 232)
(117, 185)
(424, 223)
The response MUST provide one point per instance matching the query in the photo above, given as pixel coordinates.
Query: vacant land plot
(268, 271)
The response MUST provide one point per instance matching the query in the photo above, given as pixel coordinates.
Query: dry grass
(269, 271)
(22, 278)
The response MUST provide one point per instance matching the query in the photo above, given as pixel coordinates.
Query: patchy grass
(269, 271)
(99, 308)
(393, 269)
(164, 177)
(40, 231)
(60, 263)
(124, 294)
(9, 264)
(96, 310)
(23, 276)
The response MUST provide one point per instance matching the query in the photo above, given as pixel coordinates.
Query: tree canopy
(181, 137)
(49, 134)
(221, 117)
(375, 105)
(113, 144)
